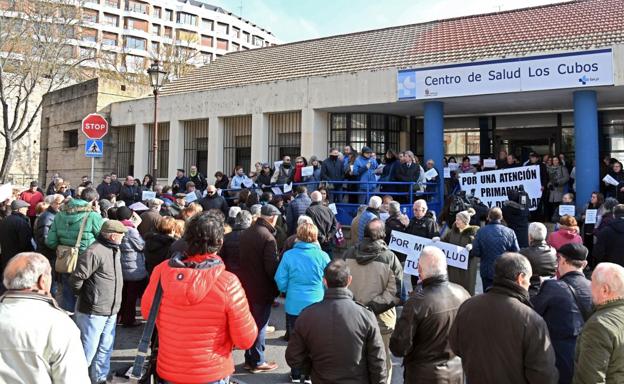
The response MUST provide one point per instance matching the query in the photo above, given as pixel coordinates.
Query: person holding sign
(463, 234)
(617, 174)
(589, 219)
(558, 177)
(239, 179)
(421, 334)
(364, 171)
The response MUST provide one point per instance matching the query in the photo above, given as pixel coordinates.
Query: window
(109, 39)
(109, 57)
(207, 25)
(236, 32)
(136, 24)
(246, 37)
(155, 47)
(89, 16)
(87, 53)
(157, 12)
(70, 138)
(379, 131)
(168, 14)
(222, 28)
(135, 63)
(89, 35)
(284, 135)
(136, 6)
(206, 41)
(112, 3)
(156, 29)
(168, 32)
(186, 18)
(206, 57)
(235, 47)
(222, 44)
(111, 20)
(135, 43)
(257, 41)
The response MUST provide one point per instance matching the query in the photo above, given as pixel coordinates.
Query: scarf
(297, 178)
(107, 243)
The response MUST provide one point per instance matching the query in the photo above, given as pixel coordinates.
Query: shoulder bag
(578, 302)
(66, 256)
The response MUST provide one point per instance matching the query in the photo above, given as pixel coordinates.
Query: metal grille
(284, 135)
(196, 145)
(236, 143)
(378, 131)
(125, 151)
(163, 149)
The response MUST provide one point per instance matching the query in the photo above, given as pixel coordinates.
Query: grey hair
(303, 219)
(55, 197)
(243, 219)
(432, 262)
(537, 231)
(510, 265)
(27, 276)
(611, 275)
(422, 203)
(375, 202)
(316, 197)
(394, 207)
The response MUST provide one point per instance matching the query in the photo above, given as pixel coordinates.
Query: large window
(284, 135)
(186, 18)
(378, 131)
(222, 28)
(136, 6)
(135, 43)
(207, 25)
(111, 20)
(613, 134)
(236, 143)
(109, 39)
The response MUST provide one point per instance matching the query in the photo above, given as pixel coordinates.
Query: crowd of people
(222, 253)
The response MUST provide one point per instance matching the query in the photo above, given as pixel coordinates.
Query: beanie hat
(465, 215)
(124, 213)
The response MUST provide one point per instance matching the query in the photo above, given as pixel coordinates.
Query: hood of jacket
(74, 209)
(617, 225)
(570, 234)
(513, 205)
(157, 241)
(469, 230)
(368, 250)
(187, 280)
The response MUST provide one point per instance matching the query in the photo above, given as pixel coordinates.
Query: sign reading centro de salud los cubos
(533, 73)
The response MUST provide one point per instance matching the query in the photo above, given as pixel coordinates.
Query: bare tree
(37, 54)
(180, 57)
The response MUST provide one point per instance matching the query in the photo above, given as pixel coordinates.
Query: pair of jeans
(261, 312)
(97, 334)
(295, 373)
(67, 294)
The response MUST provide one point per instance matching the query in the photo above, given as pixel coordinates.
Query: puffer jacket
(203, 315)
(564, 236)
(156, 249)
(377, 276)
(490, 243)
(364, 175)
(421, 334)
(543, 259)
(42, 227)
(425, 227)
(132, 258)
(66, 225)
(296, 208)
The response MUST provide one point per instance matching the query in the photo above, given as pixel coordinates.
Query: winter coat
(42, 228)
(130, 194)
(421, 334)
(40, 343)
(230, 251)
(300, 276)
(258, 261)
(599, 353)
(366, 216)
(460, 237)
(32, 198)
(325, 221)
(467, 278)
(517, 218)
(214, 202)
(394, 223)
(203, 315)
(296, 208)
(366, 176)
(338, 341)
(377, 276)
(425, 227)
(238, 182)
(199, 180)
(283, 175)
(15, 237)
(105, 190)
(610, 243)
(315, 178)
(332, 170)
(223, 184)
(557, 305)
(66, 225)
(156, 249)
(149, 222)
(501, 339)
(405, 173)
(180, 182)
(558, 177)
(132, 258)
(98, 280)
(490, 243)
(543, 259)
(564, 236)
(263, 179)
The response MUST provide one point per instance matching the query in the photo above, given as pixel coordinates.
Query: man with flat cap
(15, 233)
(98, 281)
(565, 304)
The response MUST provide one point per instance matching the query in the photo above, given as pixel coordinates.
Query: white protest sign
(591, 216)
(610, 180)
(138, 207)
(190, 197)
(489, 163)
(412, 246)
(430, 174)
(333, 208)
(276, 191)
(566, 209)
(6, 191)
(307, 171)
(287, 188)
(277, 164)
(447, 173)
(148, 195)
(453, 166)
(491, 187)
(474, 159)
(247, 183)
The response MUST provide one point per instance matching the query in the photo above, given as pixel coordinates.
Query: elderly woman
(300, 276)
(462, 234)
(543, 257)
(568, 232)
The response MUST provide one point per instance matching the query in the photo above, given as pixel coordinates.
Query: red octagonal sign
(94, 126)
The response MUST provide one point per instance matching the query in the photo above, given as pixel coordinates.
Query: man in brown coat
(150, 218)
(499, 337)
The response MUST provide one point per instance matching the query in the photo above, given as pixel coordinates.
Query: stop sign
(94, 126)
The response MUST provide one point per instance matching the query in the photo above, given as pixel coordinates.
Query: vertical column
(176, 148)
(259, 138)
(586, 145)
(484, 137)
(434, 143)
(314, 133)
(141, 149)
(215, 147)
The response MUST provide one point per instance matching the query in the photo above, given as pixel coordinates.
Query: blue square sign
(94, 148)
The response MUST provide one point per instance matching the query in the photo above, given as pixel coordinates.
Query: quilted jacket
(66, 225)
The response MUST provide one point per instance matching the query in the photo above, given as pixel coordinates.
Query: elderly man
(423, 223)
(15, 232)
(377, 277)
(498, 336)
(408, 172)
(421, 334)
(565, 304)
(130, 193)
(543, 257)
(370, 213)
(491, 242)
(325, 221)
(40, 343)
(600, 349)
(150, 218)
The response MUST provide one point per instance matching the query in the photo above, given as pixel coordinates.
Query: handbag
(66, 256)
(141, 374)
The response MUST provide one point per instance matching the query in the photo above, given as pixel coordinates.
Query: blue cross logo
(583, 80)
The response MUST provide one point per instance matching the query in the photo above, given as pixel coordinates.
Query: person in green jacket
(600, 347)
(66, 227)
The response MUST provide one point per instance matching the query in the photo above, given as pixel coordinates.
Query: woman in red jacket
(203, 313)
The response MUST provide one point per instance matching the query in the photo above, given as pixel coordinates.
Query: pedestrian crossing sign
(94, 148)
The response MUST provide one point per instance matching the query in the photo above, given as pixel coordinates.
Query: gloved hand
(469, 247)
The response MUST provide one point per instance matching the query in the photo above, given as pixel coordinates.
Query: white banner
(557, 71)
(491, 187)
(412, 246)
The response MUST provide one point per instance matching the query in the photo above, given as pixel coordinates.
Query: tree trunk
(7, 158)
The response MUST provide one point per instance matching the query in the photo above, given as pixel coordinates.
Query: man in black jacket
(213, 201)
(130, 193)
(338, 340)
(197, 178)
(543, 257)
(332, 169)
(15, 233)
(106, 188)
(325, 221)
(408, 172)
(610, 242)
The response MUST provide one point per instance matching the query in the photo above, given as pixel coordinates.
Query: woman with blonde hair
(567, 233)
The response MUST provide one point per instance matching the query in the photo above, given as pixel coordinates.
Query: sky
(295, 20)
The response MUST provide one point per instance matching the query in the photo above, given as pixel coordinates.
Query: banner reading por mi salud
(491, 187)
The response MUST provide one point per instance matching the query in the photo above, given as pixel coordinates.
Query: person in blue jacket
(300, 277)
(364, 170)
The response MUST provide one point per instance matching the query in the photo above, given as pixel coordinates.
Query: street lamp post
(157, 77)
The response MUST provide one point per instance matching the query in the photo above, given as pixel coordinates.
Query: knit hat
(573, 251)
(465, 215)
(124, 213)
(367, 150)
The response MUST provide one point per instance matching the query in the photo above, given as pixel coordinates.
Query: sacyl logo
(583, 80)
